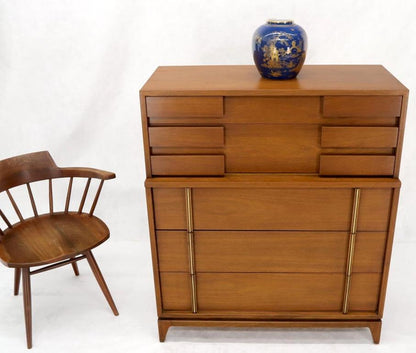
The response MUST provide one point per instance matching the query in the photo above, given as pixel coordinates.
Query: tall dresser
(272, 203)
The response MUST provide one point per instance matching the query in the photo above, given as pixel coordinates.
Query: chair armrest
(86, 173)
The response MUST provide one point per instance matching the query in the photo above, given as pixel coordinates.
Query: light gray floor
(71, 315)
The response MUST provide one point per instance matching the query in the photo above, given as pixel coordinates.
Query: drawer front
(272, 292)
(192, 165)
(278, 110)
(268, 209)
(362, 106)
(184, 107)
(360, 137)
(186, 137)
(359, 165)
(169, 208)
(272, 209)
(268, 148)
(270, 251)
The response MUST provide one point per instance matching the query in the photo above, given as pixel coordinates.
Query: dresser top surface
(245, 80)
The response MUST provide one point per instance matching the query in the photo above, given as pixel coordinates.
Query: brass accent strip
(354, 218)
(351, 249)
(188, 203)
(191, 247)
(191, 253)
(193, 294)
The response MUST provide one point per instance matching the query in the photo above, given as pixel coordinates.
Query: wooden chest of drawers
(272, 203)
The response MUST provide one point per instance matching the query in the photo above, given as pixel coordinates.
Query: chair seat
(50, 238)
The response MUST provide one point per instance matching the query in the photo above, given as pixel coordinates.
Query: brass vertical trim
(188, 203)
(354, 217)
(351, 249)
(191, 247)
(191, 253)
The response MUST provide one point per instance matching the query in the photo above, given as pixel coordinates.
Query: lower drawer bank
(271, 251)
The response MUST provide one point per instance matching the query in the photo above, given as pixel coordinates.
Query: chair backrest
(27, 168)
(31, 167)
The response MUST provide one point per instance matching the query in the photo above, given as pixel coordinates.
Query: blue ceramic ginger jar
(279, 49)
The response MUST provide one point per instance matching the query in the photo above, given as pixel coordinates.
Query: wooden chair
(54, 239)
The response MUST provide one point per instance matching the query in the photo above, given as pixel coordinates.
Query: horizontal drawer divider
(271, 272)
(260, 316)
(266, 230)
(272, 181)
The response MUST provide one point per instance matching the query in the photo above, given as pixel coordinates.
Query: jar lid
(279, 22)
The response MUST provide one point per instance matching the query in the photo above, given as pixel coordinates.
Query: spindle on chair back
(27, 243)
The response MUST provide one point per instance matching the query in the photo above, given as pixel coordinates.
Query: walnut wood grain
(266, 181)
(270, 291)
(29, 243)
(272, 148)
(56, 238)
(271, 233)
(360, 165)
(186, 137)
(256, 209)
(277, 110)
(363, 137)
(270, 251)
(352, 106)
(169, 208)
(244, 80)
(27, 168)
(184, 107)
(37, 166)
(188, 165)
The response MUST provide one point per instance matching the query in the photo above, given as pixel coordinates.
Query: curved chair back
(37, 166)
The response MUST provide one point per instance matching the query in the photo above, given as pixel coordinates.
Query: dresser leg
(375, 328)
(163, 326)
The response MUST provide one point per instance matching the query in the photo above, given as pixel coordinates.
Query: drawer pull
(351, 249)
(191, 247)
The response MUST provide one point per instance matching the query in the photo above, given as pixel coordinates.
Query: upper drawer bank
(325, 135)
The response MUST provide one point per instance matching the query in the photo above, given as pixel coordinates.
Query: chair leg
(17, 272)
(100, 279)
(75, 268)
(27, 301)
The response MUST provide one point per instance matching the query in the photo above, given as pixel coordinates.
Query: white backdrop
(70, 74)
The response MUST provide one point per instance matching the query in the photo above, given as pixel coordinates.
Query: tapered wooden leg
(27, 301)
(75, 268)
(100, 279)
(17, 272)
(163, 326)
(375, 328)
